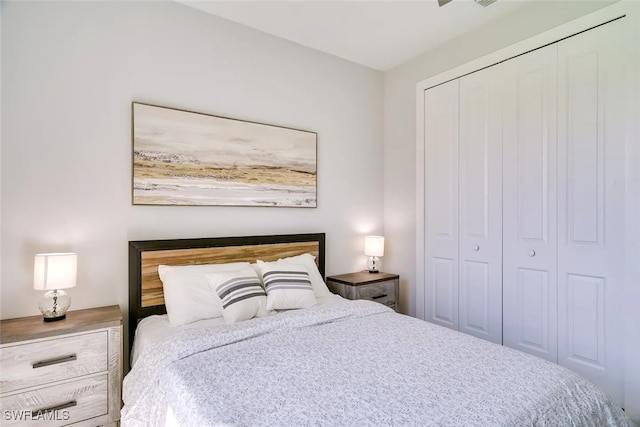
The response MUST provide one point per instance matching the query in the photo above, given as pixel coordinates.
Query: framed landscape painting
(187, 158)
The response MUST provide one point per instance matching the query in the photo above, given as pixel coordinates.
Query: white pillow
(288, 286)
(187, 294)
(319, 286)
(240, 294)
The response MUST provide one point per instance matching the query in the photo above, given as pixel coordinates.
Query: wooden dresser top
(34, 327)
(362, 278)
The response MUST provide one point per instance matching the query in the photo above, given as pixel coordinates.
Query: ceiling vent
(485, 3)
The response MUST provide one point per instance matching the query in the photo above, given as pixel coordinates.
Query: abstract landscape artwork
(186, 158)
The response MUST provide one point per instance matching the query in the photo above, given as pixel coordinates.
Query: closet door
(591, 142)
(480, 208)
(441, 204)
(529, 203)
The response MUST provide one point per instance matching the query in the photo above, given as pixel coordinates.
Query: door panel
(532, 146)
(441, 204)
(476, 294)
(533, 310)
(582, 153)
(585, 329)
(480, 232)
(591, 143)
(444, 297)
(529, 204)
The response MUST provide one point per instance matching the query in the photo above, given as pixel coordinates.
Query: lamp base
(373, 264)
(54, 305)
(55, 319)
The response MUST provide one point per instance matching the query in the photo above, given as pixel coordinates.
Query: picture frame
(195, 159)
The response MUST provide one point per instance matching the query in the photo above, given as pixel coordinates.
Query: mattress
(156, 328)
(352, 363)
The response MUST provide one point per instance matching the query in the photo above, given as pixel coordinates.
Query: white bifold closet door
(463, 214)
(591, 144)
(441, 204)
(529, 203)
(525, 203)
(480, 205)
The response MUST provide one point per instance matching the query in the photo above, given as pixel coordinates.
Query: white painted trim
(632, 222)
(420, 197)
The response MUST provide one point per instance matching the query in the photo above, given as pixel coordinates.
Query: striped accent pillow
(240, 293)
(288, 286)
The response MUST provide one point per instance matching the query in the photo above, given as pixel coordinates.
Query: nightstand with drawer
(64, 372)
(380, 287)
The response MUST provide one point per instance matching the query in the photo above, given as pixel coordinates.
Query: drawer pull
(379, 296)
(55, 361)
(40, 412)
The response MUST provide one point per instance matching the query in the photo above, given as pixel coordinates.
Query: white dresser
(64, 372)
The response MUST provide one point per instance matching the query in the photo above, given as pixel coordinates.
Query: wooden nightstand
(63, 372)
(380, 287)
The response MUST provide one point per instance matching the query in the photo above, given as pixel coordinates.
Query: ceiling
(377, 34)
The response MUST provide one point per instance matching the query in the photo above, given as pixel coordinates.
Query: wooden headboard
(145, 288)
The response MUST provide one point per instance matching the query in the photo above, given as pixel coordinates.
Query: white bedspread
(156, 328)
(353, 363)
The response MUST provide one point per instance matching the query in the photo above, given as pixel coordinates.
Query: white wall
(632, 229)
(400, 121)
(70, 71)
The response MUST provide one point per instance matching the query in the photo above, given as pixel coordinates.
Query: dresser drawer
(382, 292)
(58, 405)
(42, 362)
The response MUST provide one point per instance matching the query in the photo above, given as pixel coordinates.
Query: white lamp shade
(374, 246)
(55, 271)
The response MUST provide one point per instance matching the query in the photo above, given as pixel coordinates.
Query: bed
(337, 362)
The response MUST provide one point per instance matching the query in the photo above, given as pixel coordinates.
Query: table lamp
(53, 273)
(373, 248)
